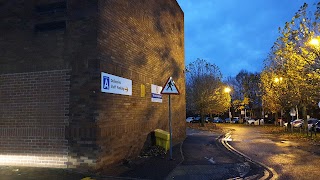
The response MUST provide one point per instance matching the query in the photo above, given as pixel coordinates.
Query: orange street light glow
(314, 42)
(277, 79)
(227, 90)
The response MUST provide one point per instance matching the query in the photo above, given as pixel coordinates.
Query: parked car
(217, 120)
(261, 121)
(227, 120)
(198, 120)
(312, 122)
(208, 119)
(255, 122)
(235, 120)
(251, 121)
(189, 119)
(296, 123)
(246, 119)
(317, 126)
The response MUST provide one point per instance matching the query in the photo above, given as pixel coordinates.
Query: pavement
(200, 156)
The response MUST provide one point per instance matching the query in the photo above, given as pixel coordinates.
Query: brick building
(52, 54)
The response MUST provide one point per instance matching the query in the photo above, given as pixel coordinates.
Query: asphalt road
(206, 158)
(290, 159)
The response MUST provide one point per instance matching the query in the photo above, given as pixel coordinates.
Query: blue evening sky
(234, 34)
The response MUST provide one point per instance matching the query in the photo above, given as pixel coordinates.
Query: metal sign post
(170, 88)
(170, 127)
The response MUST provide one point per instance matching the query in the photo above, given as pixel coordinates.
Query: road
(291, 160)
(206, 158)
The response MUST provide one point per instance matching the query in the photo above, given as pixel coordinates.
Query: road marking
(227, 137)
(268, 170)
(210, 160)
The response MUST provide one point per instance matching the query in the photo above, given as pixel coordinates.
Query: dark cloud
(234, 34)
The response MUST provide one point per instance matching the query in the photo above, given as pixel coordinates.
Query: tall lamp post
(278, 80)
(228, 90)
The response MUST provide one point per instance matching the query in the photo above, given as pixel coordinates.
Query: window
(50, 26)
(52, 8)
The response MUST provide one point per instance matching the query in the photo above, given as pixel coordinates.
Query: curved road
(291, 160)
(206, 158)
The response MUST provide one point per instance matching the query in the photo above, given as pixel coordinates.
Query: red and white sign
(170, 87)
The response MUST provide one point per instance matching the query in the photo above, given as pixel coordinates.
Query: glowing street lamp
(277, 79)
(228, 90)
(314, 42)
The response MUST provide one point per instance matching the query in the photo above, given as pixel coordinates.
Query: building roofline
(179, 6)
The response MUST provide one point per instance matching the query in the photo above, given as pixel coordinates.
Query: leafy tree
(296, 62)
(273, 92)
(240, 105)
(205, 91)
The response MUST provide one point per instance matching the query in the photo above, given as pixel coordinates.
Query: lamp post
(228, 90)
(277, 81)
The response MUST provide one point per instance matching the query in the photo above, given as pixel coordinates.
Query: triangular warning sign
(170, 87)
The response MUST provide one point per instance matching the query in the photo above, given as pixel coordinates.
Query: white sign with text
(115, 84)
(156, 93)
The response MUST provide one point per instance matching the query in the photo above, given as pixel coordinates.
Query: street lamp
(228, 90)
(314, 42)
(277, 80)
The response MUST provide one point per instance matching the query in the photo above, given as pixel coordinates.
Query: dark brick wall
(34, 111)
(142, 41)
(22, 48)
(26, 48)
(139, 40)
(85, 77)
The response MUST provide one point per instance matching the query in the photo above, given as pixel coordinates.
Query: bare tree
(246, 92)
